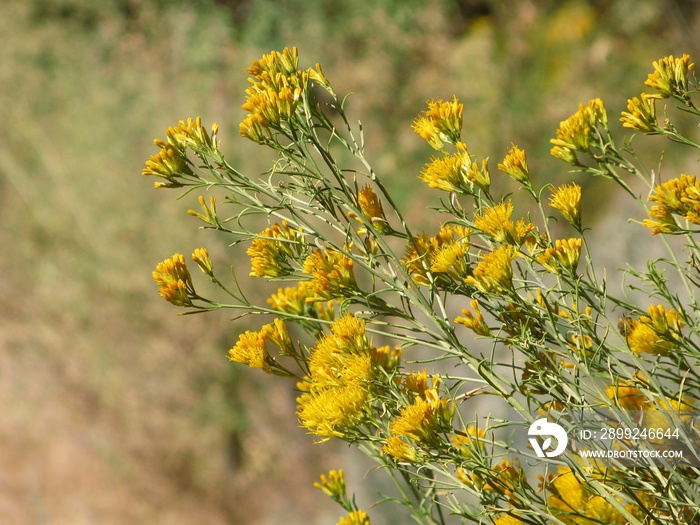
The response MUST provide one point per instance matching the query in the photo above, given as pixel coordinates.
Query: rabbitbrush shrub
(602, 387)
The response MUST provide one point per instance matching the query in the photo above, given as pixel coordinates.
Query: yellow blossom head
(400, 450)
(333, 484)
(515, 164)
(372, 210)
(357, 517)
(494, 273)
(273, 249)
(448, 173)
(174, 280)
(567, 200)
(474, 321)
(441, 122)
(332, 274)
(670, 76)
(640, 114)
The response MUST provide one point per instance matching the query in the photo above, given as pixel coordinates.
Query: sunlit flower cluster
(474, 321)
(275, 93)
(563, 256)
(174, 280)
(496, 223)
(301, 301)
(574, 133)
(372, 211)
(440, 123)
(494, 273)
(171, 162)
(640, 114)
(670, 76)
(656, 333)
(679, 196)
(344, 370)
(515, 164)
(332, 274)
(273, 250)
(567, 200)
(446, 253)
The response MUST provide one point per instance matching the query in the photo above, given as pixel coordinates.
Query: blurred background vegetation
(115, 410)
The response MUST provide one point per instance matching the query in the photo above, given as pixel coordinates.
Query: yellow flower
(372, 210)
(398, 449)
(564, 255)
(515, 164)
(567, 199)
(656, 333)
(474, 321)
(574, 133)
(251, 350)
(480, 175)
(191, 134)
(276, 90)
(358, 517)
(448, 173)
(565, 494)
(640, 114)
(494, 273)
(451, 259)
(170, 163)
(661, 221)
(300, 301)
(627, 396)
(442, 122)
(421, 253)
(174, 280)
(670, 76)
(496, 223)
(425, 419)
(201, 257)
(332, 273)
(343, 373)
(332, 485)
(272, 249)
(209, 216)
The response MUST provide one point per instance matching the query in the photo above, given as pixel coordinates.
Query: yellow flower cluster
(573, 503)
(567, 200)
(474, 321)
(445, 254)
(332, 274)
(656, 333)
(343, 371)
(372, 211)
(423, 421)
(564, 256)
(301, 301)
(496, 223)
(333, 484)
(251, 348)
(271, 251)
(448, 173)
(670, 76)
(679, 196)
(515, 165)
(574, 133)
(440, 123)
(640, 114)
(276, 90)
(174, 279)
(494, 273)
(171, 162)
(357, 517)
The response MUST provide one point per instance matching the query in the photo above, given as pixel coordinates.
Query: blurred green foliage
(142, 409)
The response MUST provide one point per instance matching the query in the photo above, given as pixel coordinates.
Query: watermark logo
(544, 429)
